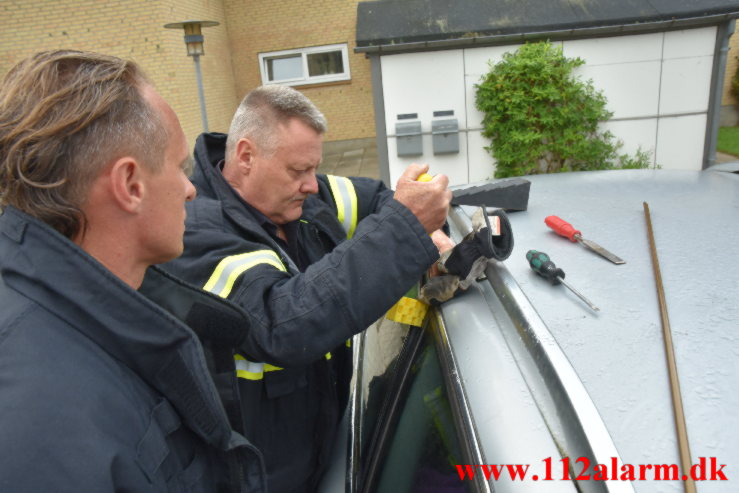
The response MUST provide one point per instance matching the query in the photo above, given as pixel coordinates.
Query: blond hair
(64, 115)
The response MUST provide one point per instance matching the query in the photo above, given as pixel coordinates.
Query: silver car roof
(618, 353)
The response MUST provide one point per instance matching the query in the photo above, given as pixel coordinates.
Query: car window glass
(424, 448)
(383, 343)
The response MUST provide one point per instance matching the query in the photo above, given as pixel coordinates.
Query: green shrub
(542, 119)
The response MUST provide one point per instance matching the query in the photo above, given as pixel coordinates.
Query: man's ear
(127, 184)
(245, 154)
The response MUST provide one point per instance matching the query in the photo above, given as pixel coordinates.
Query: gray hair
(266, 107)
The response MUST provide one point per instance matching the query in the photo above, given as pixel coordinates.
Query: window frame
(366, 470)
(304, 52)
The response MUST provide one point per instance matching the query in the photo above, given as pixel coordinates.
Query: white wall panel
(423, 83)
(631, 89)
(686, 85)
(680, 142)
(481, 163)
(689, 43)
(621, 49)
(476, 60)
(634, 134)
(474, 116)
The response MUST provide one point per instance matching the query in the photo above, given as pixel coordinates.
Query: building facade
(133, 29)
(250, 36)
(661, 68)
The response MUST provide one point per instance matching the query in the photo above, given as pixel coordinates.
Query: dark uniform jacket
(295, 362)
(100, 388)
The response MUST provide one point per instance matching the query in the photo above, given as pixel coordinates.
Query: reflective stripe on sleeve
(250, 370)
(346, 202)
(230, 268)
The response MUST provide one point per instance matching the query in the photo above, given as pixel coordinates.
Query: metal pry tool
(563, 228)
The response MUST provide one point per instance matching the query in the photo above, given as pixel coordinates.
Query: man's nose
(310, 184)
(190, 190)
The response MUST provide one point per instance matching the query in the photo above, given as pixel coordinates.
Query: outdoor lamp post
(194, 42)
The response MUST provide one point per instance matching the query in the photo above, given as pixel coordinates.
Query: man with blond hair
(102, 389)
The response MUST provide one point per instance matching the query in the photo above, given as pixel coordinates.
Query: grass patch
(728, 140)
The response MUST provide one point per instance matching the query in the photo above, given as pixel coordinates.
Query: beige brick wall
(218, 78)
(258, 26)
(731, 66)
(132, 29)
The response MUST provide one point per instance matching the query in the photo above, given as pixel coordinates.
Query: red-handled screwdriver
(543, 265)
(563, 228)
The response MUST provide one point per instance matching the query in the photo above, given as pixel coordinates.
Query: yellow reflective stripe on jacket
(346, 202)
(230, 268)
(250, 370)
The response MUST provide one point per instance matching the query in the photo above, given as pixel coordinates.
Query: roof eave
(474, 40)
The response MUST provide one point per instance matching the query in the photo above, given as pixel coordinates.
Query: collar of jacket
(210, 149)
(46, 267)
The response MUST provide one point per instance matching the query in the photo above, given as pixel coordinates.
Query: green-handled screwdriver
(543, 265)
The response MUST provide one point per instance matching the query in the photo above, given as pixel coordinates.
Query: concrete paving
(356, 157)
(725, 158)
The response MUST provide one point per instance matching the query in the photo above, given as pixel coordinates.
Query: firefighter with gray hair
(313, 259)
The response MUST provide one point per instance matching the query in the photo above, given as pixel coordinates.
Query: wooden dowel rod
(677, 402)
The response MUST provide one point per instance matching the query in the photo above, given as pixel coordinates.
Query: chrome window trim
(570, 414)
(463, 419)
(354, 442)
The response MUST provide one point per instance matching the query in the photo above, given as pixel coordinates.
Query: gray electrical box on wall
(408, 134)
(445, 133)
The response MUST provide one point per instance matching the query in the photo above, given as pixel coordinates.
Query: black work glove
(502, 243)
(481, 244)
(466, 262)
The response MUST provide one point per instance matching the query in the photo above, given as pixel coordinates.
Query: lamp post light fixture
(194, 42)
